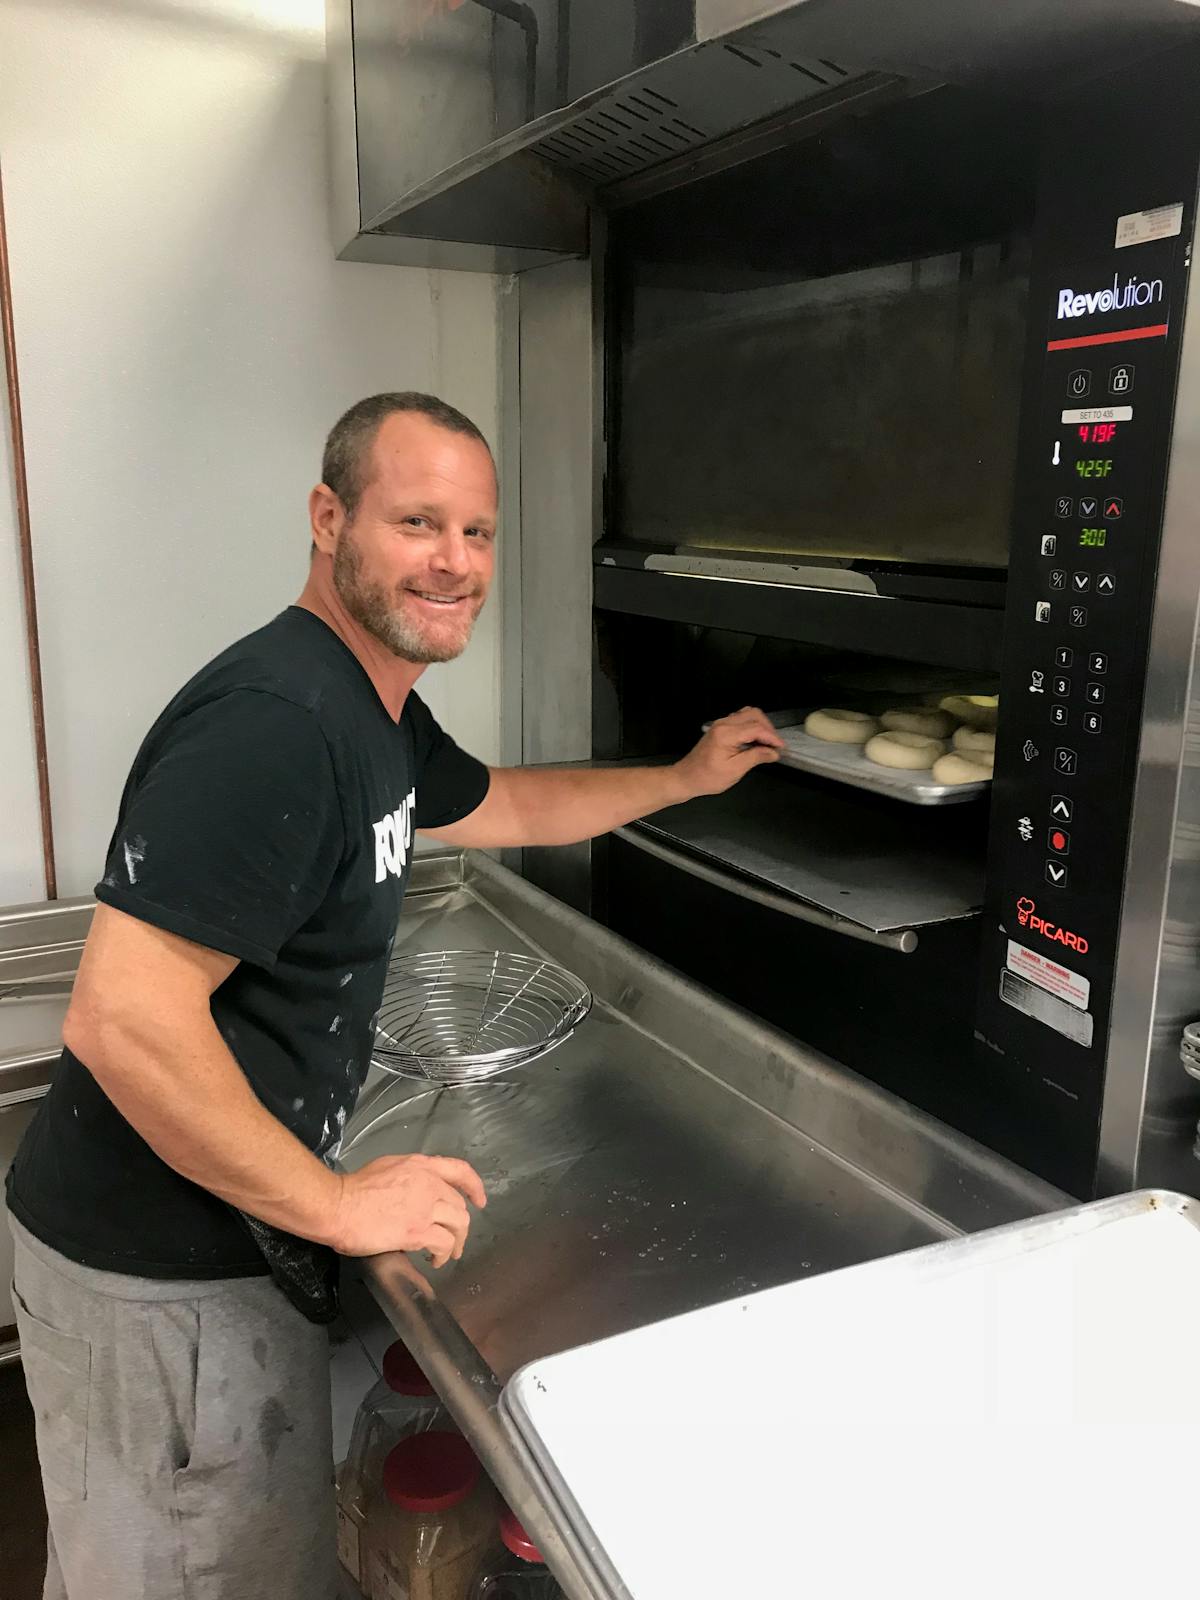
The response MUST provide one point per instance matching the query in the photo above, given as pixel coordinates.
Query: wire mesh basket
(458, 1016)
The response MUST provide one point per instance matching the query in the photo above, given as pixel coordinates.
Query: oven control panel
(1095, 434)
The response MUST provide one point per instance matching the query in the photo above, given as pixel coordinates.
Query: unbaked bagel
(974, 741)
(909, 752)
(963, 766)
(841, 727)
(928, 721)
(976, 710)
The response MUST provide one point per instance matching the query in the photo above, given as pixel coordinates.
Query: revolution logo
(1028, 918)
(1133, 292)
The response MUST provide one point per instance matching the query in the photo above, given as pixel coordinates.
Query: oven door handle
(902, 939)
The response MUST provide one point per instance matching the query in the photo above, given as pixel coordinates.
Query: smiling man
(175, 1215)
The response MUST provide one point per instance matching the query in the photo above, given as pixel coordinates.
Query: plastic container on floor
(425, 1538)
(513, 1569)
(401, 1404)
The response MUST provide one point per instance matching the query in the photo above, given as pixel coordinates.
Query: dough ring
(974, 741)
(963, 767)
(976, 710)
(909, 752)
(929, 722)
(841, 727)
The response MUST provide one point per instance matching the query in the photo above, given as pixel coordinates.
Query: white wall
(186, 339)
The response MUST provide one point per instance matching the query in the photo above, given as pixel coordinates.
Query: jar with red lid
(513, 1569)
(427, 1535)
(400, 1404)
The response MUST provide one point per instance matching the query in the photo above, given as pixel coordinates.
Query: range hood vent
(480, 134)
(683, 107)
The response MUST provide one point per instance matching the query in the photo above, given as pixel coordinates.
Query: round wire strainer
(458, 1016)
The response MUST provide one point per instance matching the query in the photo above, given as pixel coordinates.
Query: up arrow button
(1061, 808)
(1106, 583)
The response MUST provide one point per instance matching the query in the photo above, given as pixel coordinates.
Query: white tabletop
(1013, 1414)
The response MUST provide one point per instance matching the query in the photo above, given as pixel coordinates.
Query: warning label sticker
(1047, 1008)
(1140, 227)
(1049, 975)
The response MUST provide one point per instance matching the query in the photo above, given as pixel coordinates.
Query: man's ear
(326, 517)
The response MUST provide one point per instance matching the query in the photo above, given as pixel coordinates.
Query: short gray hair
(344, 465)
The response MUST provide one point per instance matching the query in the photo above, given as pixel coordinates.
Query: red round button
(1058, 840)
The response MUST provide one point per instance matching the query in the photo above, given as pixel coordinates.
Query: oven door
(848, 920)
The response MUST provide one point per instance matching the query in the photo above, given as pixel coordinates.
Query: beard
(420, 640)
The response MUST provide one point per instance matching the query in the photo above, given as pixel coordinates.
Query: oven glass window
(818, 352)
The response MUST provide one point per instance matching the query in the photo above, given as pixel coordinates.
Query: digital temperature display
(1098, 432)
(1094, 467)
(1093, 538)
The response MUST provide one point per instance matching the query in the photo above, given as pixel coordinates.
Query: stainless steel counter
(39, 952)
(673, 1154)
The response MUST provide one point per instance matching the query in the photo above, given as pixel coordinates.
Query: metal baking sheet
(845, 763)
(1037, 1348)
(869, 863)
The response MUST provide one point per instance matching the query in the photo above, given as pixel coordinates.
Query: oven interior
(884, 977)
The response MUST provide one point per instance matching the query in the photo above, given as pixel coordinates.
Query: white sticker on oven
(1140, 227)
(1098, 414)
(1023, 996)
(1049, 975)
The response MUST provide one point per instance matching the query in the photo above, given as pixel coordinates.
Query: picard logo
(1133, 292)
(1028, 918)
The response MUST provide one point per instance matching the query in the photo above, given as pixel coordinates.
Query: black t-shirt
(269, 814)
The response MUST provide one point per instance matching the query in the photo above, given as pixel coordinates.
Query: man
(172, 1184)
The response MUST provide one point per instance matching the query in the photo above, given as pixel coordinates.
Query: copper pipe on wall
(25, 545)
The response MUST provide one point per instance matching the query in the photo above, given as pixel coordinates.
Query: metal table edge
(472, 1394)
(26, 1074)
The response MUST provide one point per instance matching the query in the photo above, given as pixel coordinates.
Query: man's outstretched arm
(545, 806)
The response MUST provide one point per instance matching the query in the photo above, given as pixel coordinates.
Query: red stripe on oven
(1157, 331)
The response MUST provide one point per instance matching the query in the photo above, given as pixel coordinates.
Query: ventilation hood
(480, 134)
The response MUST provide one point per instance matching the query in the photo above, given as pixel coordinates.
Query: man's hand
(407, 1203)
(745, 739)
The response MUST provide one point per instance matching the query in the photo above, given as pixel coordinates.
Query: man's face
(414, 564)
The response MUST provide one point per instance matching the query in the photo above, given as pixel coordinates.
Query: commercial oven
(851, 347)
(852, 352)
(905, 404)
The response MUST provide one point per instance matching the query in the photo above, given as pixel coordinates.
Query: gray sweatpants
(183, 1431)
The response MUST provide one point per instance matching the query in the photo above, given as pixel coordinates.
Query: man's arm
(140, 1021)
(547, 807)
